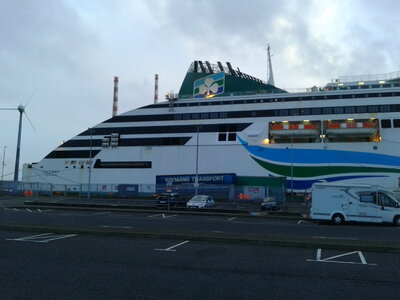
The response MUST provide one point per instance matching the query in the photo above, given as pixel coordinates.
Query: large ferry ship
(224, 121)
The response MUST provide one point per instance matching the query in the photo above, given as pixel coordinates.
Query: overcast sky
(69, 51)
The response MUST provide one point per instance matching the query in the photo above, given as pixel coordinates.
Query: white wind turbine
(21, 109)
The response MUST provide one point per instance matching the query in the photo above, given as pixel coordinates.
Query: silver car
(201, 201)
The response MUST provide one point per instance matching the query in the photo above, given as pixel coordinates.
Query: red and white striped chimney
(115, 102)
(156, 89)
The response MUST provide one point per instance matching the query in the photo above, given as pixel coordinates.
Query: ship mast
(270, 73)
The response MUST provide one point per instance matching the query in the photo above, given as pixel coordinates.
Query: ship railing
(373, 77)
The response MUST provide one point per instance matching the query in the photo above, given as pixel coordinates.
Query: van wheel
(337, 219)
(396, 221)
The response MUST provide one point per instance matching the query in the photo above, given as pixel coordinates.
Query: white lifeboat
(351, 129)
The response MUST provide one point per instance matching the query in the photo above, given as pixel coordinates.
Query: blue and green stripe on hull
(307, 166)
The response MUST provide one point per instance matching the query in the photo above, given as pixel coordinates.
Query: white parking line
(42, 238)
(164, 216)
(331, 259)
(231, 219)
(171, 248)
(302, 221)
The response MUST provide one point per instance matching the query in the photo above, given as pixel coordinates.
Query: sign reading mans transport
(203, 178)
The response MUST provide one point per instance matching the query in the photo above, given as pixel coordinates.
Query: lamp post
(3, 163)
(196, 180)
(90, 162)
(291, 164)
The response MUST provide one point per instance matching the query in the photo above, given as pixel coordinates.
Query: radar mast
(270, 73)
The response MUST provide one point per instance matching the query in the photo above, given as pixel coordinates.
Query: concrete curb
(277, 241)
(151, 209)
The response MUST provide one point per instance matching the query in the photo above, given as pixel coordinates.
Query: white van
(354, 202)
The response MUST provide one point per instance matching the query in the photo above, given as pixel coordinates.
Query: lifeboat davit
(294, 130)
(351, 129)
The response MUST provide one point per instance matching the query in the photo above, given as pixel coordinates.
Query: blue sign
(203, 178)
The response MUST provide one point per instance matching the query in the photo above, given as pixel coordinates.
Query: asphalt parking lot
(65, 266)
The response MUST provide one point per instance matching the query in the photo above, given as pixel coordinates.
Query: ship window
(359, 96)
(386, 95)
(374, 86)
(347, 96)
(396, 123)
(223, 115)
(384, 108)
(332, 97)
(327, 110)
(319, 97)
(386, 85)
(365, 86)
(373, 109)
(222, 137)
(354, 87)
(178, 117)
(222, 127)
(374, 95)
(186, 117)
(294, 112)
(232, 136)
(386, 123)
(283, 112)
(305, 111)
(350, 110)
(195, 116)
(315, 111)
(361, 109)
(204, 115)
(396, 84)
(338, 110)
(214, 115)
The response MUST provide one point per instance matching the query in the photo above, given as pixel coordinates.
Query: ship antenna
(270, 73)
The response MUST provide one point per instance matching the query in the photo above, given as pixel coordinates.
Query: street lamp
(291, 163)
(196, 180)
(90, 162)
(3, 164)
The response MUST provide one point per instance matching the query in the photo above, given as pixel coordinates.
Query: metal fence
(223, 192)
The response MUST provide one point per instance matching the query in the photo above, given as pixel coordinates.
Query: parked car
(269, 203)
(171, 199)
(201, 201)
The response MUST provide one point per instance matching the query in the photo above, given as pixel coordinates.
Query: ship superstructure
(224, 121)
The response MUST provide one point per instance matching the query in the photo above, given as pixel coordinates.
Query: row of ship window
(280, 99)
(260, 113)
(387, 123)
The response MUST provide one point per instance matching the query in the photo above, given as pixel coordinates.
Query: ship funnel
(156, 88)
(115, 101)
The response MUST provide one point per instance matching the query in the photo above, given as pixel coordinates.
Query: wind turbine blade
(33, 94)
(8, 109)
(30, 121)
